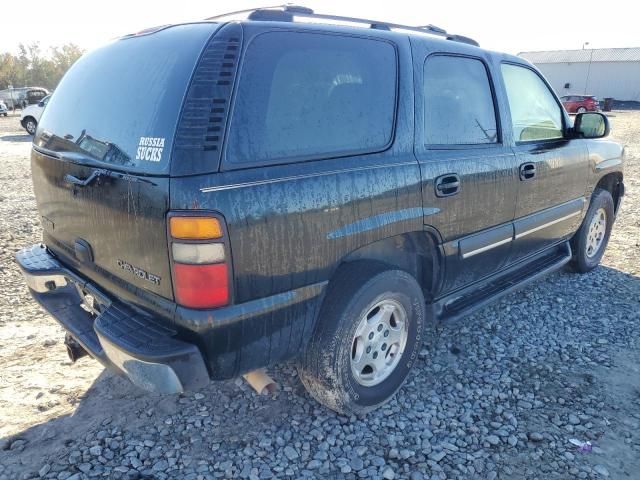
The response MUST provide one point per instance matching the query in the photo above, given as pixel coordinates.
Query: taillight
(195, 228)
(199, 253)
(201, 286)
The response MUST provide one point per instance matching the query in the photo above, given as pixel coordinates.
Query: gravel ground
(501, 394)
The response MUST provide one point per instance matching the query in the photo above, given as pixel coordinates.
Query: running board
(463, 302)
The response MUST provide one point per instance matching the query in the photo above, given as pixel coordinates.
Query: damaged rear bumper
(114, 333)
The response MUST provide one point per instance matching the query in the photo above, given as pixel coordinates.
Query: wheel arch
(612, 182)
(417, 253)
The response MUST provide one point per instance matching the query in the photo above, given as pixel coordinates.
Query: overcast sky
(510, 26)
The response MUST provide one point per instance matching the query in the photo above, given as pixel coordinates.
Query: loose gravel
(514, 391)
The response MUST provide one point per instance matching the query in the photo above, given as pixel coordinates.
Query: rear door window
(458, 103)
(310, 95)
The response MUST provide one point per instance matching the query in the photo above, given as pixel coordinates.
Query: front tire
(368, 337)
(590, 241)
(581, 110)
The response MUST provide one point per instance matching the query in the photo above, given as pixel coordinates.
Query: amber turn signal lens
(195, 228)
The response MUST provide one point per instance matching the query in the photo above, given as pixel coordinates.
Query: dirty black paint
(120, 218)
(292, 224)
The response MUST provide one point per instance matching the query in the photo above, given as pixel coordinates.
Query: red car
(580, 103)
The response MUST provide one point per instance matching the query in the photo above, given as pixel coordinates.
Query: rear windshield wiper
(79, 159)
(102, 173)
(97, 173)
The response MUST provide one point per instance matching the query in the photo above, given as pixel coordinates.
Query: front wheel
(590, 241)
(581, 110)
(30, 126)
(368, 337)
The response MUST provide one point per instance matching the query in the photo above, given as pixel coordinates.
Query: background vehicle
(264, 203)
(3, 109)
(23, 97)
(33, 96)
(31, 115)
(580, 103)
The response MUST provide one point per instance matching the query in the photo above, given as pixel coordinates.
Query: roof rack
(288, 12)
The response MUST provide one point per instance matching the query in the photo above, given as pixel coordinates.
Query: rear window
(458, 105)
(119, 104)
(306, 95)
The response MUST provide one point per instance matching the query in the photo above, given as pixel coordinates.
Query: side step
(463, 302)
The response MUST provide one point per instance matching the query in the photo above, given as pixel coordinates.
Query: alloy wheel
(596, 233)
(379, 342)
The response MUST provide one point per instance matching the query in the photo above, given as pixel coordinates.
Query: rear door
(552, 169)
(319, 158)
(101, 157)
(469, 176)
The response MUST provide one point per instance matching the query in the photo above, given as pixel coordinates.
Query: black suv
(243, 192)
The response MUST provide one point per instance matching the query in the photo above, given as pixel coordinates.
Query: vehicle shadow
(229, 414)
(21, 137)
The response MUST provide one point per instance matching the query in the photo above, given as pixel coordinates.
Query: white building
(604, 72)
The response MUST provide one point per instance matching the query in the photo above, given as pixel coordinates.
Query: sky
(509, 26)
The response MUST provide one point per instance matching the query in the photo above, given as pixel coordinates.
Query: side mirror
(41, 104)
(591, 125)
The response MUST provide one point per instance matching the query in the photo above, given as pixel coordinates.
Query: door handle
(447, 185)
(527, 171)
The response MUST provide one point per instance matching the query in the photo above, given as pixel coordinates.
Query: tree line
(31, 67)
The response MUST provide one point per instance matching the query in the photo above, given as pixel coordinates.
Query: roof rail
(288, 12)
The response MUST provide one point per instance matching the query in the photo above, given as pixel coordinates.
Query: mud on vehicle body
(289, 190)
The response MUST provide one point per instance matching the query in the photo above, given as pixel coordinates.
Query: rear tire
(590, 241)
(30, 125)
(368, 337)
(581, 110)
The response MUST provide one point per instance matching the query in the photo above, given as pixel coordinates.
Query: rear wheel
(590, 241)
(31, 125)
(581, 110)
(368, 336)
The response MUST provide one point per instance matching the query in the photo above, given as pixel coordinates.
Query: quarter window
(307, 95)
(535, 114)
(458, 105)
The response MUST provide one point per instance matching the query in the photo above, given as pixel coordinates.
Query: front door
(553, 170)
(469, 176)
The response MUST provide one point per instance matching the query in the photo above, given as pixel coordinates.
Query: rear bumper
(130, 334)
(116, 334)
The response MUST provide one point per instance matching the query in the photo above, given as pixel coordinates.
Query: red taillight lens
(199, 254)
(201, 286)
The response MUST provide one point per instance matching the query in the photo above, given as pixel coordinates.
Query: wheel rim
(379, 342)
(582, 110)
(596, 233)
(31, 127)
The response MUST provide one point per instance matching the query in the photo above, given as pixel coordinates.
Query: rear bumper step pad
(117, 335)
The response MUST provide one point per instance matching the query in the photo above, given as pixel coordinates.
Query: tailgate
(102, 156)
(113, 226)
